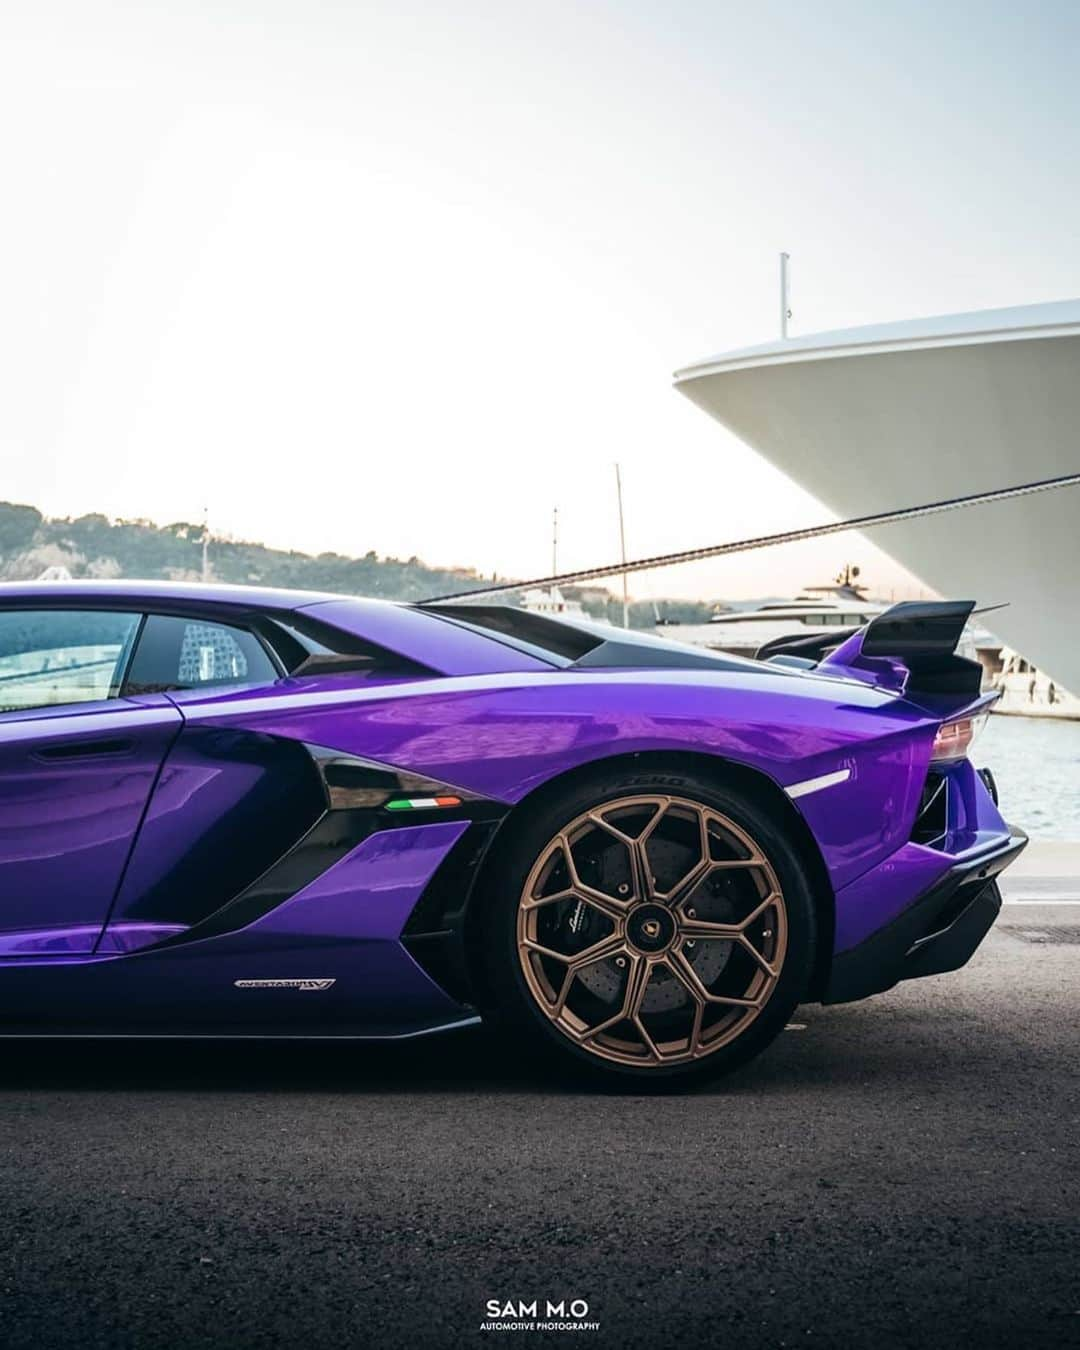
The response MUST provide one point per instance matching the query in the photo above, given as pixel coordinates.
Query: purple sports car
(238, 812)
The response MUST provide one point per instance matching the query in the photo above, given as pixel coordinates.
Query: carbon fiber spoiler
(917, 630)
(912, 648)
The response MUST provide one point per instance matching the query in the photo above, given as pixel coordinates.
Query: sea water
(1036, 762)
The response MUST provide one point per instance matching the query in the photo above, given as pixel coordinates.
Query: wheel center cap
(651, 928)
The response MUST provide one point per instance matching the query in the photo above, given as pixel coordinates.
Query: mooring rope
(762, 541)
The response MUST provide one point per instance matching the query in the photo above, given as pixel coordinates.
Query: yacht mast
(206, 544)
(622, 547)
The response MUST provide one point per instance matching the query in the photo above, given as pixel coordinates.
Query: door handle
(114, 747)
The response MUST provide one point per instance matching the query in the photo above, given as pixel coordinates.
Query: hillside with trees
(95, 546)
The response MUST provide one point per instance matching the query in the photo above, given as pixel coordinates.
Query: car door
(77, 766)
(229, 801)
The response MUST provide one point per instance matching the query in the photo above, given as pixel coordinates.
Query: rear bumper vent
(932, 818)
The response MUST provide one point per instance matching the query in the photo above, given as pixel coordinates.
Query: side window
(176, 653)
(52, 657)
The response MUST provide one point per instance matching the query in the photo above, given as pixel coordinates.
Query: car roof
(414, 634)
(54, 593)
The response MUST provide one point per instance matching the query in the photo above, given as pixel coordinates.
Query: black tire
(508, 965)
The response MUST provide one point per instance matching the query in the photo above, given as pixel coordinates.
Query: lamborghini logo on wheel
(316, 986)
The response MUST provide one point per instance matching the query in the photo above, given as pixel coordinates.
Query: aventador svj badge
(315, 985)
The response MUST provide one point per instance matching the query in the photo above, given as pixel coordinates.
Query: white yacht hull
(879, 418)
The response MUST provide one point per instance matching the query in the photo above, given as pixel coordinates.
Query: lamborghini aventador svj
(245, 813)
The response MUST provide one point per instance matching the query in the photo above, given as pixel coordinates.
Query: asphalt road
(901, 1172)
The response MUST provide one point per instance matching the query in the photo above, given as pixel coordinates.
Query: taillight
(953, 739)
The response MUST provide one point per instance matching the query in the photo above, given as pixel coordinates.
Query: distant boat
(1025, 691)
(843, 604)
(550, 600)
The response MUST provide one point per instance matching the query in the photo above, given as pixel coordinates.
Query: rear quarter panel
(506, 735)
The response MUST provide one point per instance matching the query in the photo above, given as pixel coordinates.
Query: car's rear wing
(910, 648)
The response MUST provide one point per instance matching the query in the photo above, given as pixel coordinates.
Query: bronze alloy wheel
(652, 930)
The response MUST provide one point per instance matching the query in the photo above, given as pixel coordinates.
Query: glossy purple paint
(171, 596)
(370, 893)
(111, 838)
(74, 784)
(198, 815)
(974, 827)
(883, 672)
(72, 940)
(504, 737)
(344, 927)
(424, 637)
(445, 647)
(121, 938)
(82, 938)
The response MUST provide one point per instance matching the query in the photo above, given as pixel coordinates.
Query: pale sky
(389, 276)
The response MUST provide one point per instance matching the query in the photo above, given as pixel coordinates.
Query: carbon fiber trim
(356, 792)
(351, 782)
(434, 935)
